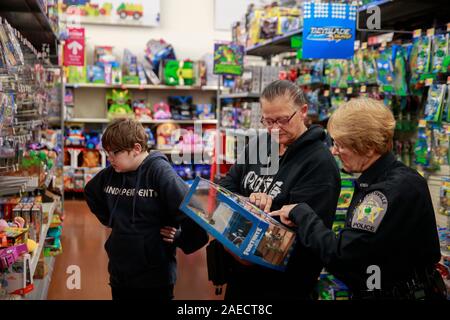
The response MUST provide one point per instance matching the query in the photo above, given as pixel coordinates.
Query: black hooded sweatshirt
(136, 205)
(307, 173)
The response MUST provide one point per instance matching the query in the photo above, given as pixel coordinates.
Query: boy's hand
(169, 233)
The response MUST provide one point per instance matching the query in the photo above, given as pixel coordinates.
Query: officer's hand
(283, 213)
(261, 200)
(168, 233)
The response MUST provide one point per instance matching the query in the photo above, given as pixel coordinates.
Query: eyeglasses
(280, 121)
(112, 154)
(337, 147)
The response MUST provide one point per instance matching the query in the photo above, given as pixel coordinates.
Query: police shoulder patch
(370, 212)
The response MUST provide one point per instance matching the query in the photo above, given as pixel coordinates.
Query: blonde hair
(363, 124)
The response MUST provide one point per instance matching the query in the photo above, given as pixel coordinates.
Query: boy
(136, 196)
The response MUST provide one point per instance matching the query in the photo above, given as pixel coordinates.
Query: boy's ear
(137, 148)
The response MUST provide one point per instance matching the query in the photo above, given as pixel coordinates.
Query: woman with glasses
(389, 247)
(307, 172)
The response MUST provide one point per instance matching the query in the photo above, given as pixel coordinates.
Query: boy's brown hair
(123, 134)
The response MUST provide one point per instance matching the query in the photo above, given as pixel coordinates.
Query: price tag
(326, 93)
(448, 80)
(363, 89)
(357, 45)
(448, 27)
(417, 33)
(349, 90)
(364, 45)
(337, 90)
(383, 44)
(429, 82)
(141, 87)
(422, 123)
(430, 32)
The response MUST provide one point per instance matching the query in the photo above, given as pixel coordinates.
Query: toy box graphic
(247, 231)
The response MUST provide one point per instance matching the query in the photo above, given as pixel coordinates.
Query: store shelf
(240, 95)
(139, 87)
(41, 286)
(409, 14)
(104, 120)
(274, 46)
(50, 209)
(374, 3)
(29, 18)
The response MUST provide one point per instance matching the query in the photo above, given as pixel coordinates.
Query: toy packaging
(156, 51)
(141, 110)
(119, 104)
(440, 51)
(178, 73)
(205, 111)
(247, 231)
(165, 135)
(181, 106)
(161, 111)
(434, 104)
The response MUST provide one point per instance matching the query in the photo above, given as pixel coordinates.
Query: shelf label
(429, 82)
(337, 90)
(363, 89)
(430, 32)
(364, 45)
(422, 123)
(349, 90)
(326, 93)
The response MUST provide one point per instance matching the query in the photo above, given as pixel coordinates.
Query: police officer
(389, 246)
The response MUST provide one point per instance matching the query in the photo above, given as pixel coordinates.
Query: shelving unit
(49, 208)
(139, 87)
(104, 120)
(274, 46)
(29, 18)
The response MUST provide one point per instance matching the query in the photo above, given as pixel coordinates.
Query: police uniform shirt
(390, 224)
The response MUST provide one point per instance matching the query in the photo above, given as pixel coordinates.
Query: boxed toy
(247, 231)
(182, 107)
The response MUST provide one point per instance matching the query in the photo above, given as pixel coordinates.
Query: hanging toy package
(440, 51)
(433, 106)
(424, 55)
(400, 85)
(385, 70)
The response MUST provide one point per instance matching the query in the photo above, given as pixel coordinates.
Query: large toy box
(245, 230)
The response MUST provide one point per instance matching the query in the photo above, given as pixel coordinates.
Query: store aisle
(82, 240)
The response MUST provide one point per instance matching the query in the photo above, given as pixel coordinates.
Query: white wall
(186, 24)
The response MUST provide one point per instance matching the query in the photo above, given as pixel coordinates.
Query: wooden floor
(83, 239)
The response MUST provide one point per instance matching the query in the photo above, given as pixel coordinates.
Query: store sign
(228, 59)
(329, 30)
(74, 48)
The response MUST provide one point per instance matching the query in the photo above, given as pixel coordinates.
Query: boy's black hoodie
(307, 173)
(136, 205)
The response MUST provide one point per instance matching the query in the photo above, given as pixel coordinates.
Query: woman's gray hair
(281, 88)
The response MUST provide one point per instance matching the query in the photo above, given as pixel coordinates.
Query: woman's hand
(168, 233)
(261, 200)
(283, 213)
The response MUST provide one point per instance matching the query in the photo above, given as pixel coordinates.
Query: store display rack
(105, 120)
(29, 17)
(138, 87)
